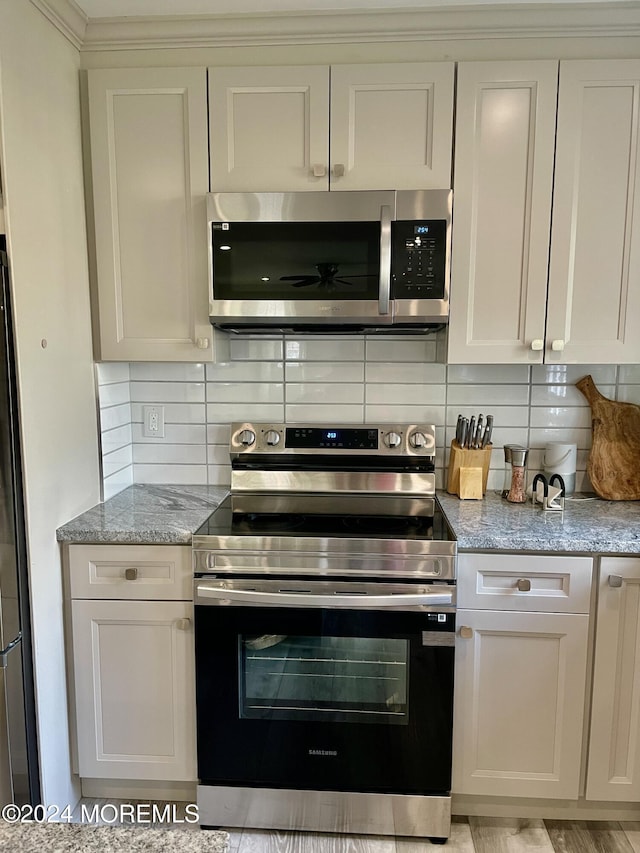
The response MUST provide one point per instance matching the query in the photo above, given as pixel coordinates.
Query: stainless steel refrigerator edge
(19, 768)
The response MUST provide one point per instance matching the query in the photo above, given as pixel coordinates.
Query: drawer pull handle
(131, 574)
(466, 632)
(524, 585)
(183, 624)
(615, 581)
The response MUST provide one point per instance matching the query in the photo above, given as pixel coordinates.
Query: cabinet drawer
(131, 571)
(530, 583)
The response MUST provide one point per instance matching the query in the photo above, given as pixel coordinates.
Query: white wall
(43, 183)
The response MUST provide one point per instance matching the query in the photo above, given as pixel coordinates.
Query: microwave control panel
(418, 259)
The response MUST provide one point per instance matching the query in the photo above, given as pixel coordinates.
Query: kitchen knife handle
(486, 438)
(463, 432)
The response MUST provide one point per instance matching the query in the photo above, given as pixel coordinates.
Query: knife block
(468, 471)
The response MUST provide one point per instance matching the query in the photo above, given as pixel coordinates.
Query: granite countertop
(146, 515)
(588, 524)
(160, 515)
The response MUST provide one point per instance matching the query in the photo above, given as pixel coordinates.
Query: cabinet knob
(338, 170)
(131, 574)
(319, 170)
(183, 624)
(557, 345)
(466, 632)
(537, 344)
(524, 585)
(202, 343)
(615, 581)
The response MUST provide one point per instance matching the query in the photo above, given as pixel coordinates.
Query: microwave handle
(384, 292)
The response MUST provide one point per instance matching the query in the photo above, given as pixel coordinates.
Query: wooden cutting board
(614, 461)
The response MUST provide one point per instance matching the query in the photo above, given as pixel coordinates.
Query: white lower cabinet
(614, 744)
(133, 669)
(520, 677)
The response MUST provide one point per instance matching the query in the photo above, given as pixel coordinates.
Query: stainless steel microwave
(320, 261)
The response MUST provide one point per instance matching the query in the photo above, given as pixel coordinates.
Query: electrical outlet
(153, 421)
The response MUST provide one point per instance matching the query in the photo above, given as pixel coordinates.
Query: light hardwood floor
(468, 835)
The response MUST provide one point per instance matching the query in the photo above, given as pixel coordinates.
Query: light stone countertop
(161, 514)
(587, 525)
(145, 515)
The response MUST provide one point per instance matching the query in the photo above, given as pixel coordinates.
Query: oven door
(324, 686)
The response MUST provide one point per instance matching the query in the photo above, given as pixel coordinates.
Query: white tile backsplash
(338, 413)
(419, 350)
(346, 379)
(324, 349)
(324, 371)
(325, 392)
(167, 372)
(246, 371)
(256, 349)
(245, 411)
(167, 392)
(175, 454)
(173, 474)
(240, 392)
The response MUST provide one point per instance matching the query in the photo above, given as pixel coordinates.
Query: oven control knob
(418, 440)
(392, 439)
(247, 437)
(272, 437)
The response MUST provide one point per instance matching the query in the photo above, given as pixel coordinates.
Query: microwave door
(296, 273)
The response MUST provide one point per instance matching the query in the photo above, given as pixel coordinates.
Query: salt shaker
(518, 490)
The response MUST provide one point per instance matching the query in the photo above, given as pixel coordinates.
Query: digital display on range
(340, 439)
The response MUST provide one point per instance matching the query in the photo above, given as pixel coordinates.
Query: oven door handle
(207, 593)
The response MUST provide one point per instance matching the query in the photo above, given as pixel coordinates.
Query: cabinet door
(149, 164)
(135, 689)
(614, 744)
(505, 129)
(594, 280)
(391, 126)
(269, 128)
(519, 703)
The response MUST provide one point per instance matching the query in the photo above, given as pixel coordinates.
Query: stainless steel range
(325, 620)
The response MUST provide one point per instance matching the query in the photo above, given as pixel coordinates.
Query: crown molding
(67, 17)
(551, 20)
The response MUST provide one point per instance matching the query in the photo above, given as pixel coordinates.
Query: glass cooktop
(334, 516)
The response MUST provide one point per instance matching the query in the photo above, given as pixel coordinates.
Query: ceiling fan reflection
(326, 278)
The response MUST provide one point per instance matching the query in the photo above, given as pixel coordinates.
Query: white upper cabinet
(269, 128)
(535, 280)
(594, 279)
(150, 174)
(280, 129)
(503, 179)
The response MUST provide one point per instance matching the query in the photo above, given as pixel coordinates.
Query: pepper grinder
(517, 493)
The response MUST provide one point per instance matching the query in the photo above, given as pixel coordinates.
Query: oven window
(297, 260)
(335, 679)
